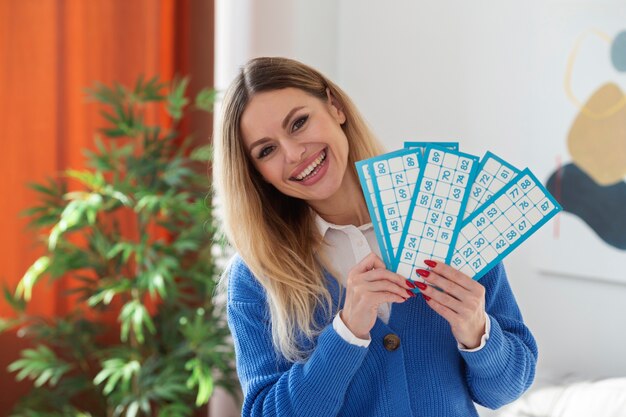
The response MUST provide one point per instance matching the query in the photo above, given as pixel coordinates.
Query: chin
(324, 194)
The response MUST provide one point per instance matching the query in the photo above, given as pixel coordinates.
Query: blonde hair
(275, 234)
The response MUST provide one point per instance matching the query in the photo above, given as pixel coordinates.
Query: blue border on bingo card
(422, 145)
(490, 155)
(472, 177)
(531, 231)
(372, 210)
(383, 219)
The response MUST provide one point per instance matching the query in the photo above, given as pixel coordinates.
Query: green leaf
(109, 191)
(159, 277)
(201, 378)
(107, 289)
(16, 302)
(111, 118)
(148, 91)
(93, 180)
(176, 174)
(117, 370)
(127, 121)
(176, 99)
(175, 410)
(52, 190)
(106, 95)
(80, 211)
(24, 289)
(7, 324)
(205, 99)
(50, 203)
(132, 409)
(182, 246)
(125, 248)
(134, 316)
(40, 364)
(150, 203)
(203, 153)
(113, 132)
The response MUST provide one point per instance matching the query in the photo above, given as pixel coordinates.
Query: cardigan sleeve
(271, 385)
(505, 367)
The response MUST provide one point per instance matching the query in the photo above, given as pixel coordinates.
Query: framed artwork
(580, 123)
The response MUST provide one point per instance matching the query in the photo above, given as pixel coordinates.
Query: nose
(293, 150)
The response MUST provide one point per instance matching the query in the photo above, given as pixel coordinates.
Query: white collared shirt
(345, 246)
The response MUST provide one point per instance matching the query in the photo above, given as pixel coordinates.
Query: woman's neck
(346, 206)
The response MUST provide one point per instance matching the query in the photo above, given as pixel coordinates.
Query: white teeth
(311, 167)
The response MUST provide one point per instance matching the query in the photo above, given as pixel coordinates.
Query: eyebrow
(284, 125)
(286, 119)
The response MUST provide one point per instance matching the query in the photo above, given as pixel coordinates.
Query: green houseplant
(134, 239)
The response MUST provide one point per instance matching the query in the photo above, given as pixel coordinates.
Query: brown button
(391, 342)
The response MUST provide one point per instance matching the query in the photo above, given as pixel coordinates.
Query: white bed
(568, 396)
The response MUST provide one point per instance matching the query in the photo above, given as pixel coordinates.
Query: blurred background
(539, 83)
(51, 52)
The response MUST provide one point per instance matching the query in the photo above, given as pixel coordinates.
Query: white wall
(300, 29)
(484, 73)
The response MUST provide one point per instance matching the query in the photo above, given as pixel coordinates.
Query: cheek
(343, 148)
(271, 171)
(332, 133)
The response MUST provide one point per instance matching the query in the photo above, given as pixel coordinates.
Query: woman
(320, 327)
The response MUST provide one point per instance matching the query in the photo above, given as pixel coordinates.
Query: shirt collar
(323, 225)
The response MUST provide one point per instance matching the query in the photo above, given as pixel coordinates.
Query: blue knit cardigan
(427, 375)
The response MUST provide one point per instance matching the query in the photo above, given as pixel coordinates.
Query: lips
(310, 167)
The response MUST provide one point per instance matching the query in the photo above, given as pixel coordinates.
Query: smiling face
(295, 141)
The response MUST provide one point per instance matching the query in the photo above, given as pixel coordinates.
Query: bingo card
(365, 178)
(513, 214)
(392, 180)
(422, 145)
(493, 174)
(436, 209)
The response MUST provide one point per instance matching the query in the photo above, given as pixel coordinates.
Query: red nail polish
(421, 285)
(427, 298)
(432, 264)
(411, 293)
(423, 272)
(410, 284)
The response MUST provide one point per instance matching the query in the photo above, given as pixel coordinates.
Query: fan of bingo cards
(431, 201)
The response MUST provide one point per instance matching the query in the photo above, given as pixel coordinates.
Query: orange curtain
(50, 51)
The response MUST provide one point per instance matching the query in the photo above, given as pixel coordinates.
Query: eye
(265, 151)
(299, 123)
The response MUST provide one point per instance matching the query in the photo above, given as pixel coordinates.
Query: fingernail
(427, 298)
(423, 272)
(410, 284)
(421, 285)
(411, 293)
(432, 264)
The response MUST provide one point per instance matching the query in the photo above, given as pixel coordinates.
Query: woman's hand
(461, 303)
(369, 285)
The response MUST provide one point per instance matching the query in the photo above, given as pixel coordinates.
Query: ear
(336, 109)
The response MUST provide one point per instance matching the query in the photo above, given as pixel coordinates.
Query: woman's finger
(371, 261)
(444, 299)
(450, 287)
(384, 274)
(388, 297)
(386, 286)
(444, 311)
(454, 275)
